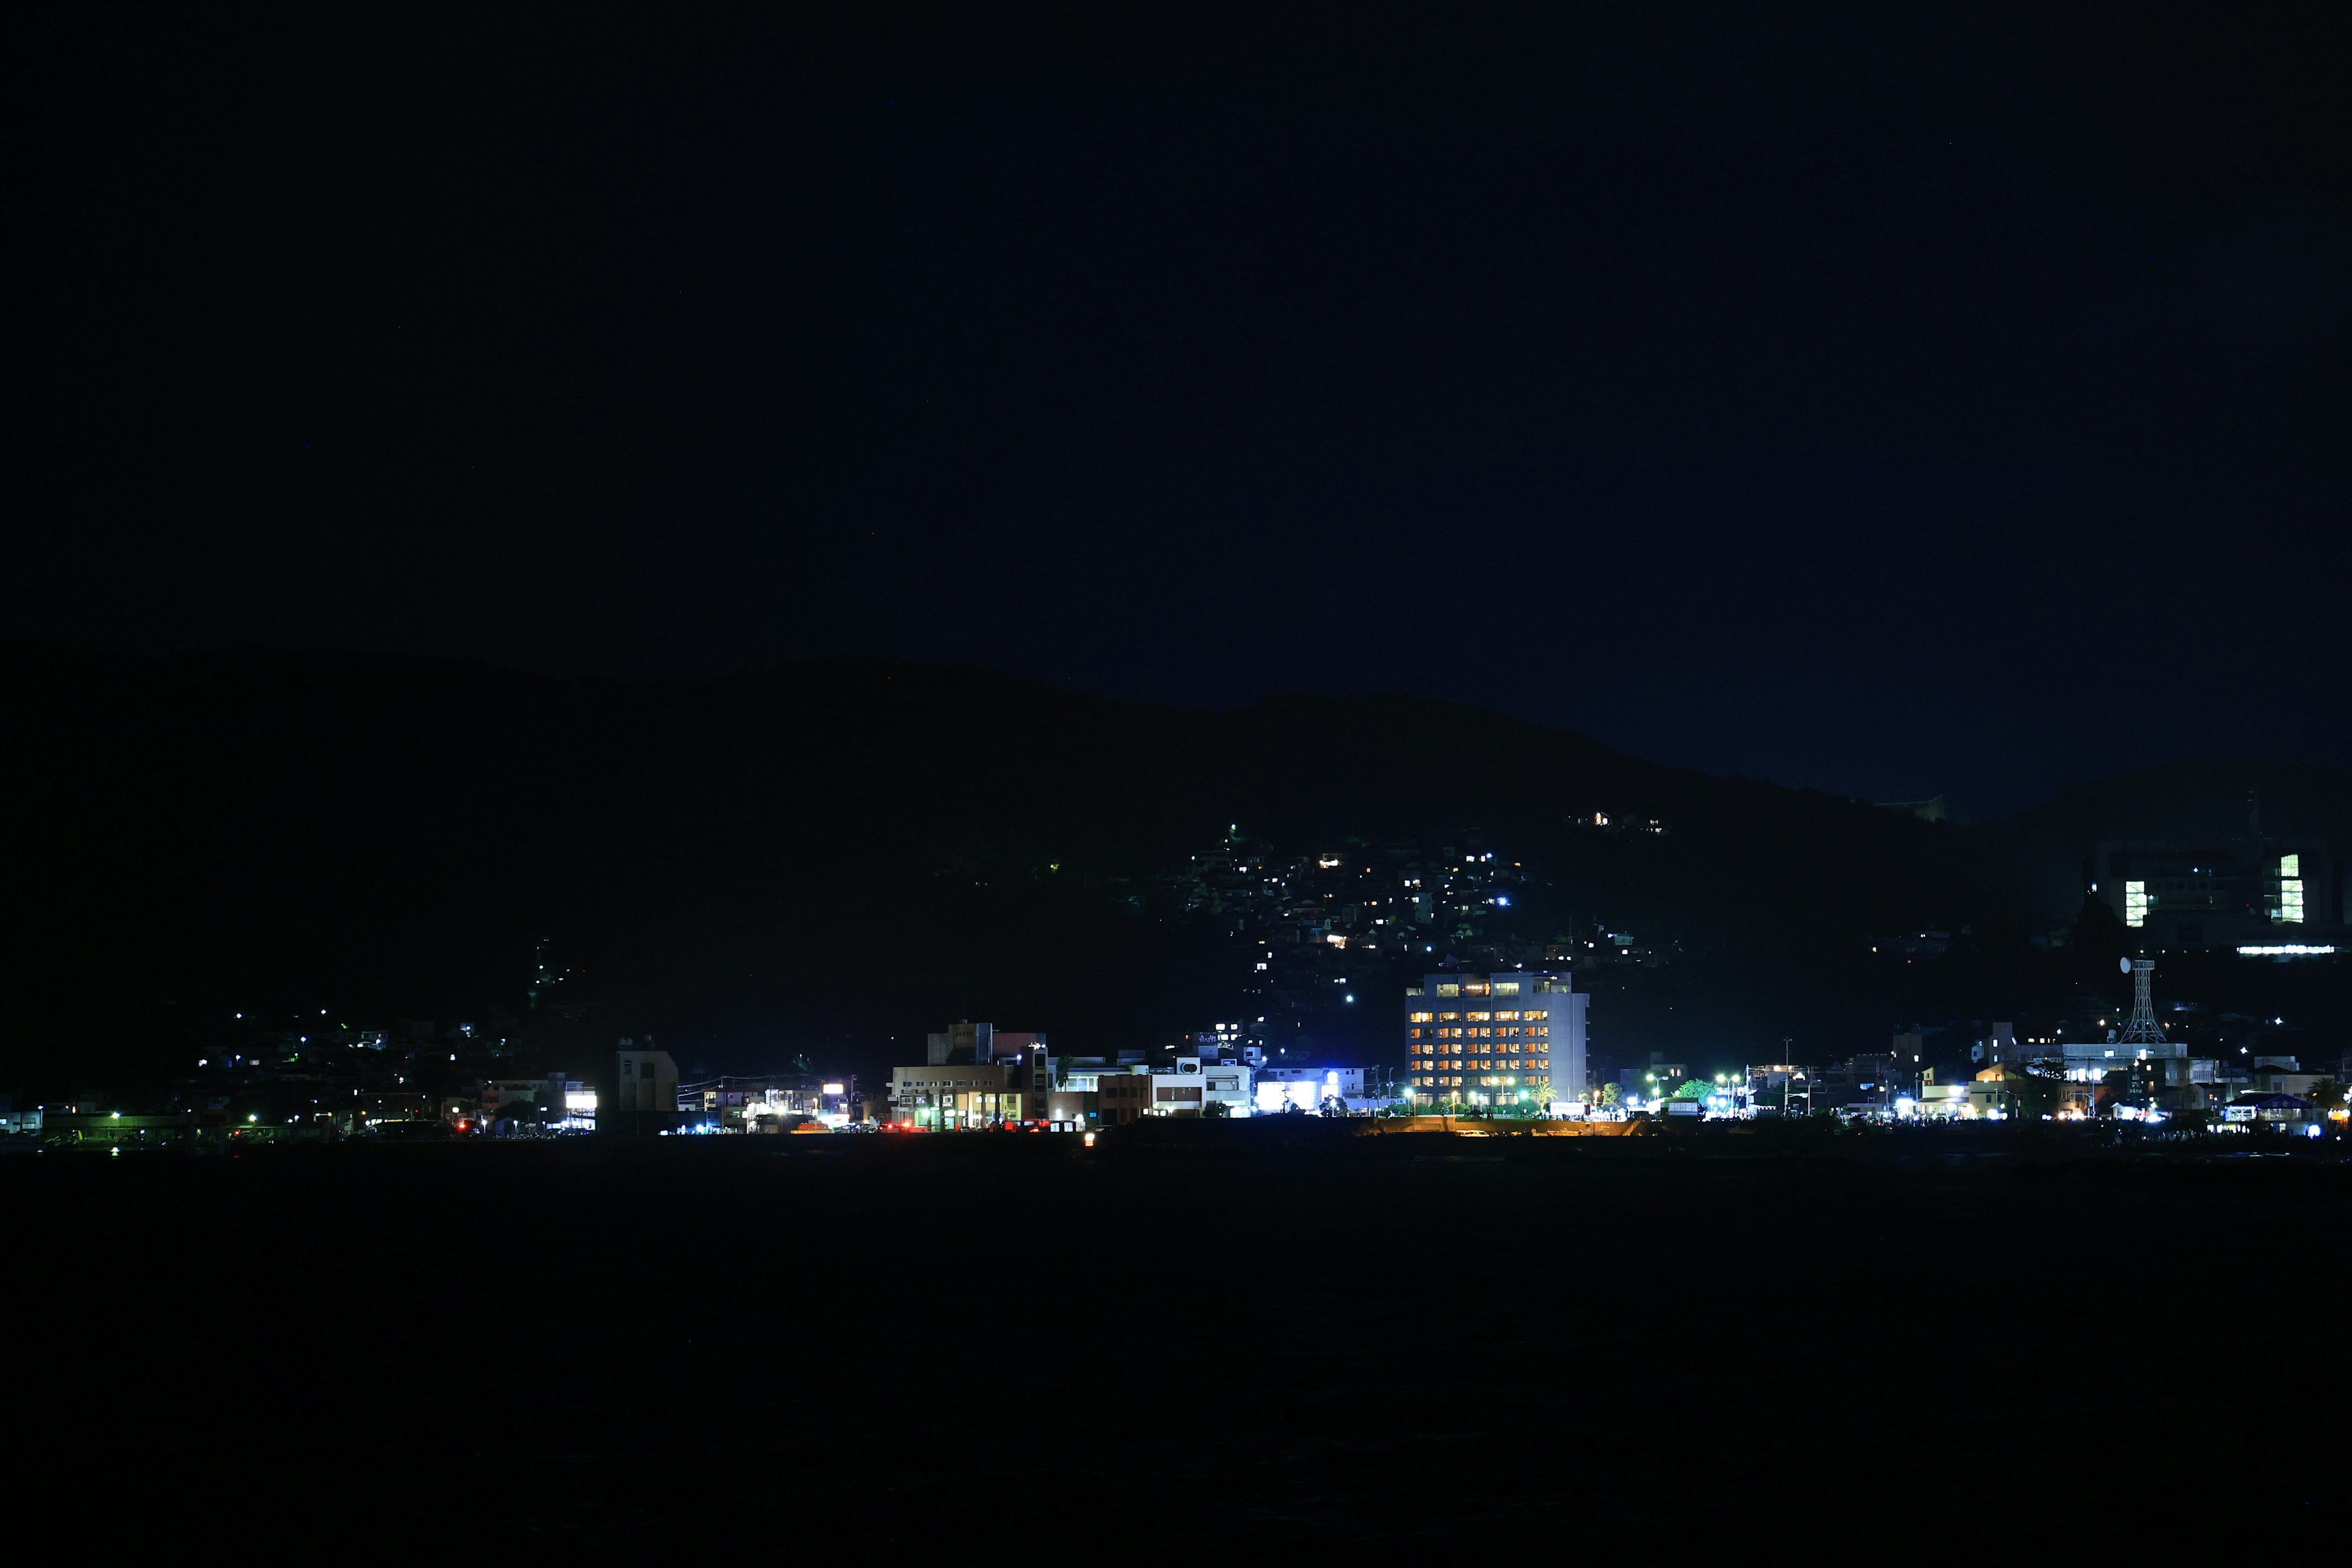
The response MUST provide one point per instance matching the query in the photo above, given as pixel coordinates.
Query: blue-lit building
(1507, 1039)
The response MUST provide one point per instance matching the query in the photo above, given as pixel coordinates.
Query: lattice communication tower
(2142, 1030)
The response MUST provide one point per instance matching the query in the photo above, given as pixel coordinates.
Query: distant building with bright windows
(1506, 1040)
(2222, 892)
(976, 1075)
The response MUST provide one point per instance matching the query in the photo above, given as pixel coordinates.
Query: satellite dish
(2124, 964)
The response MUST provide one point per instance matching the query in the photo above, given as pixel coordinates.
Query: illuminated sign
(1274, 1097)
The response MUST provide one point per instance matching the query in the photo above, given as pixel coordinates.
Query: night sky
(1917, 399)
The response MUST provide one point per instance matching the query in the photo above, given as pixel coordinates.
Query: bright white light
(2287, 950)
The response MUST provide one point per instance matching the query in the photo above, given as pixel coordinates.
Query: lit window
(1536, 1012)
(1420, 1019)
(1506, 988)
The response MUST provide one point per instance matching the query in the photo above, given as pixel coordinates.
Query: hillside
(823, 856)
(2034, 860)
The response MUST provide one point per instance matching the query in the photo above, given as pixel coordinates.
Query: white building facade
(1512, 1039)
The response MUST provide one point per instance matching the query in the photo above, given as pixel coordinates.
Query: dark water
(948, 1340)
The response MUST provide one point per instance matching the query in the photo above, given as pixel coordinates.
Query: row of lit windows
(1513, 1062)
(1455, 1081)
(1499, 988)
(1507, 1017)
(1489, 1032)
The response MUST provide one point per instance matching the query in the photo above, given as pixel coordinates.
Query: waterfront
(945, 1340)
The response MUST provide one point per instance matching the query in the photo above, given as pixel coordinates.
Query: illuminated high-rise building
(1514, 1038)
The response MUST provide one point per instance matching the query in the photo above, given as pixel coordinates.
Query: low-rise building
(2289, 1112)
(773, 1102)
(1187, 1087)
(975, 1076)
(1228, 1084)
(645, 1092)
(1124, 1097)
(947, 1097)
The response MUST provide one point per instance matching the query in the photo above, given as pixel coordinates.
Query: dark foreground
(989, 1342)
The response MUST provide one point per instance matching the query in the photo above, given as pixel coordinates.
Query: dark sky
(1899, 399)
